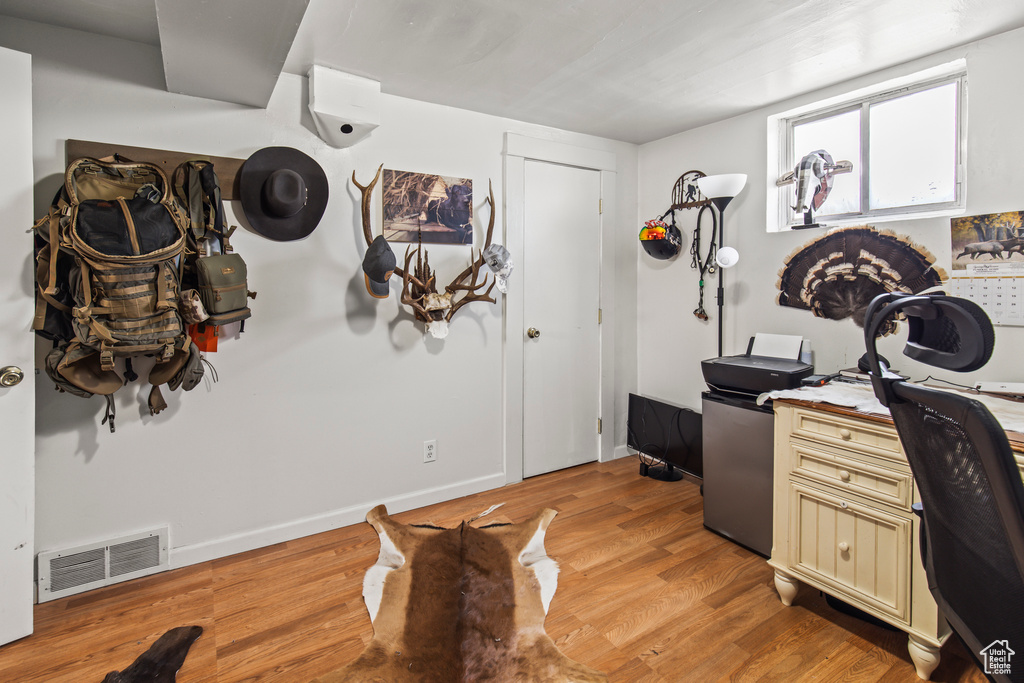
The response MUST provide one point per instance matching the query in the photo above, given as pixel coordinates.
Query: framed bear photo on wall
(427, 208)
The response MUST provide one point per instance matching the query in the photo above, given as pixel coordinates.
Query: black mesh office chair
(972, 529)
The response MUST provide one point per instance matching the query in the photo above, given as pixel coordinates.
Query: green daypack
(218, 278)
(223, 288)
(109, 254)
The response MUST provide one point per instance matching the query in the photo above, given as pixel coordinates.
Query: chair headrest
(944, 331)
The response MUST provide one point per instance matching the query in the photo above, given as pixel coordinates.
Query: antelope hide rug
(463, 604)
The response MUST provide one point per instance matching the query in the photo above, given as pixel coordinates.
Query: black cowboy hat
(283, 192)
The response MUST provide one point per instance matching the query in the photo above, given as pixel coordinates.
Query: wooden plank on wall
(227, 168)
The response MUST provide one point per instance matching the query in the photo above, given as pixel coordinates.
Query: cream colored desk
(843, 523)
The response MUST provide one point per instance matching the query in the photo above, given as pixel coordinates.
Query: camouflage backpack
(108, 258)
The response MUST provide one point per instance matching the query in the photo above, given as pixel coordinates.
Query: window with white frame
(905, 145)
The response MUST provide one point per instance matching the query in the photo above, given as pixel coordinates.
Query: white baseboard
(186, 555)
(621, 452)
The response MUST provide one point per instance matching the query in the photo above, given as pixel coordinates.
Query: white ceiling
(633, 71)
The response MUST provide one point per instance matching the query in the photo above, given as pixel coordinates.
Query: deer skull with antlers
(419, 283)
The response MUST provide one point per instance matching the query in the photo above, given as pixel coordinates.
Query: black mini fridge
(738, 441)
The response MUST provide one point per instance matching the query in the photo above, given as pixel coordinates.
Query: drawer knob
(846, 434)
(844, 475)
(844, 546)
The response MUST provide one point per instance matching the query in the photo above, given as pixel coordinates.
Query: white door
(17, 402)
(561, 280)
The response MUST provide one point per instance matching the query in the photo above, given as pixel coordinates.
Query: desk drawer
(844, 471)
(868, 437)
(851, 549)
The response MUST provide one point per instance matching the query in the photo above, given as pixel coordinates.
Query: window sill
(871, 220)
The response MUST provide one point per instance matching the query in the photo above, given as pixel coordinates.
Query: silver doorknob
(533, 333)
(10, 375)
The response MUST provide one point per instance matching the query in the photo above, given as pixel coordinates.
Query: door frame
(519, 148)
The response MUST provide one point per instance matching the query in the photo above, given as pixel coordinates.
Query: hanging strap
(210, 186)
(156, 400)
(44, 259)
(705, 265)
(108, 416)
(213, 371)
(195, 203)
(671, 212)
(189, 190)
(129, 372)
(50, 290)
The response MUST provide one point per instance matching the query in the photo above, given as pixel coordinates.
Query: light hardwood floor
(645, 594)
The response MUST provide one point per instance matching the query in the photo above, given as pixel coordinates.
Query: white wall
(324, 402)
(672, 341)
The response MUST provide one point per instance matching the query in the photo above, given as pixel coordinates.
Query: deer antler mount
(419, 283)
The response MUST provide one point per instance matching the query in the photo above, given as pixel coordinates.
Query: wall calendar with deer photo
(988, 264)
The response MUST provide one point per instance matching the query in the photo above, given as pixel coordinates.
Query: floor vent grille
(82, 568)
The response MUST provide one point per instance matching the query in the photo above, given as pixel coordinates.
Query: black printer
(752, 374)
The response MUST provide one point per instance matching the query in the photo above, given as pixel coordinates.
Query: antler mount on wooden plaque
(419, 283)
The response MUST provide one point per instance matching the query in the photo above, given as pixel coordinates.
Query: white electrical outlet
(430, 450)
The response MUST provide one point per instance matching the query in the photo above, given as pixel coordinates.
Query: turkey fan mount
(837, 275)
